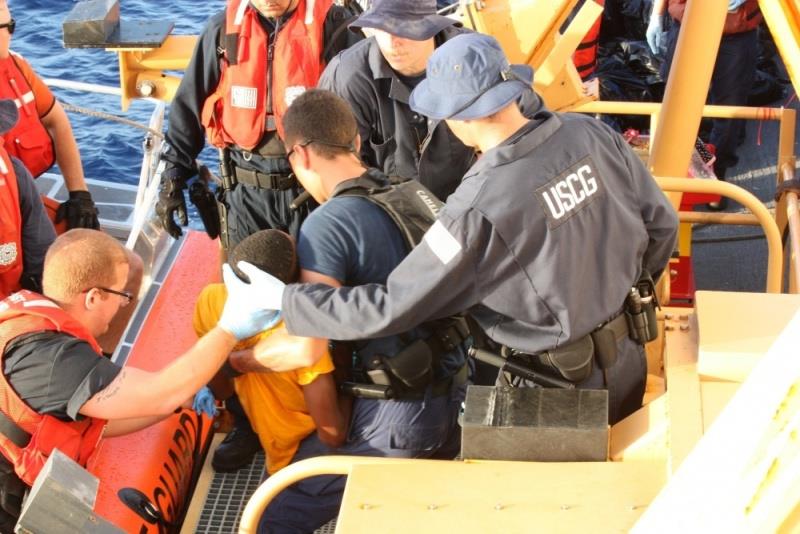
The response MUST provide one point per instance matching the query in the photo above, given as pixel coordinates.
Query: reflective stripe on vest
(236, 112)
(11, 264)
(23, 313)
(28, 140)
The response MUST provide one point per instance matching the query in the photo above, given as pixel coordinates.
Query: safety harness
(407, 374)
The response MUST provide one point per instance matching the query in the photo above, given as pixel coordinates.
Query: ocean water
(109, 151)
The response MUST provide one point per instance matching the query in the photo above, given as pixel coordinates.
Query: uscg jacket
(541, 242)
(185, 134)
(389, 142)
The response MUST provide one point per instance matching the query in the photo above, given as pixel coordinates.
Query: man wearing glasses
(43, 134)
(58, 390)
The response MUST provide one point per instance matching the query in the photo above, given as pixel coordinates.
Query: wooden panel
(503, 497)
(755, 318)
(684, 409)
(716, 395)
(744, 474)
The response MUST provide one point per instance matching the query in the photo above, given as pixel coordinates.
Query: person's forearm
(67, 154)
(244, 361)
(120, 427)
(659, 7)
(188, 373)
(281, 352)
(138, 393)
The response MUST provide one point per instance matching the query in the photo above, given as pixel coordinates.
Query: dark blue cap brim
(416, 29)
(8, 115)
(443, 104)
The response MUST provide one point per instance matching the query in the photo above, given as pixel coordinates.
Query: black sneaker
(236, 450)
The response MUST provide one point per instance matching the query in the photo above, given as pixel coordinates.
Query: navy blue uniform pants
(426, 428)
(731, 83)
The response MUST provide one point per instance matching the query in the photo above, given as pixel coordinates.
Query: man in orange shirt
(43, 134)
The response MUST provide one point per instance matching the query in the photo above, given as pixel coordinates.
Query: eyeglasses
(11, 24)
(303, 144)
(350, 146)
(128, 296)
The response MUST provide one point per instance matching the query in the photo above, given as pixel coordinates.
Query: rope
(110, 117)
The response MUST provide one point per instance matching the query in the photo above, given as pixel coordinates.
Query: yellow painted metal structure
(528, 31)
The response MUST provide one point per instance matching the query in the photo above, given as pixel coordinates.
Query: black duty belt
(264, 181)
(619, 325)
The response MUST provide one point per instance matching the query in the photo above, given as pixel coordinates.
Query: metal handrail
(793, 217)
(749, 201)
(320, 465)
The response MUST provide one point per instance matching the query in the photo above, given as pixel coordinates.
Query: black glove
(171, 200)
(79, 211)
(203, 199)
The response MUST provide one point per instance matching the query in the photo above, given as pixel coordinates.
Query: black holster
(573, 362)
(226, 176)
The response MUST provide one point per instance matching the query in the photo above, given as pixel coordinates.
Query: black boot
(241, 443)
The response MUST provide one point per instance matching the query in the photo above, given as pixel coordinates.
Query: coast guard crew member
(541, 243)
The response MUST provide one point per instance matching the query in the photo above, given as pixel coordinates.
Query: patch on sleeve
(570, 192)
(442, 242)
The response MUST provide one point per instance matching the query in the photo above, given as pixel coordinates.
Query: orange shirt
(274, 402)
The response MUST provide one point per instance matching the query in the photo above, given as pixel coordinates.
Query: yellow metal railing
(749, 201)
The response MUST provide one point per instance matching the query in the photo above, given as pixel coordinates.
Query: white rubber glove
(655, 34)
(733, 5)
(246, 313)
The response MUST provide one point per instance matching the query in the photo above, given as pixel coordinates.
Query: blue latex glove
(247, 312)
(733, 5)
(655, 36)
(204, 402)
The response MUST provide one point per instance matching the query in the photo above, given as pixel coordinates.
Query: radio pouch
(572, 361)
(412, 366)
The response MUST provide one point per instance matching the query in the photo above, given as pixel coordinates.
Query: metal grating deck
(227, 497)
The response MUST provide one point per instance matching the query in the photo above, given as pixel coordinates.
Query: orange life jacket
(744, 19)
(27, 312)
(28, 140)
(585, 56)
(10, 227)
(252, 94)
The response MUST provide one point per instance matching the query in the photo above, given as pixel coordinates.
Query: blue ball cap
(469, 77)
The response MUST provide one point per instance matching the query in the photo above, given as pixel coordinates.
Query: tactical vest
(411, 206)
(259, 81)
(28, 141)
(26, 437)
(11, 264)
(408, 373)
